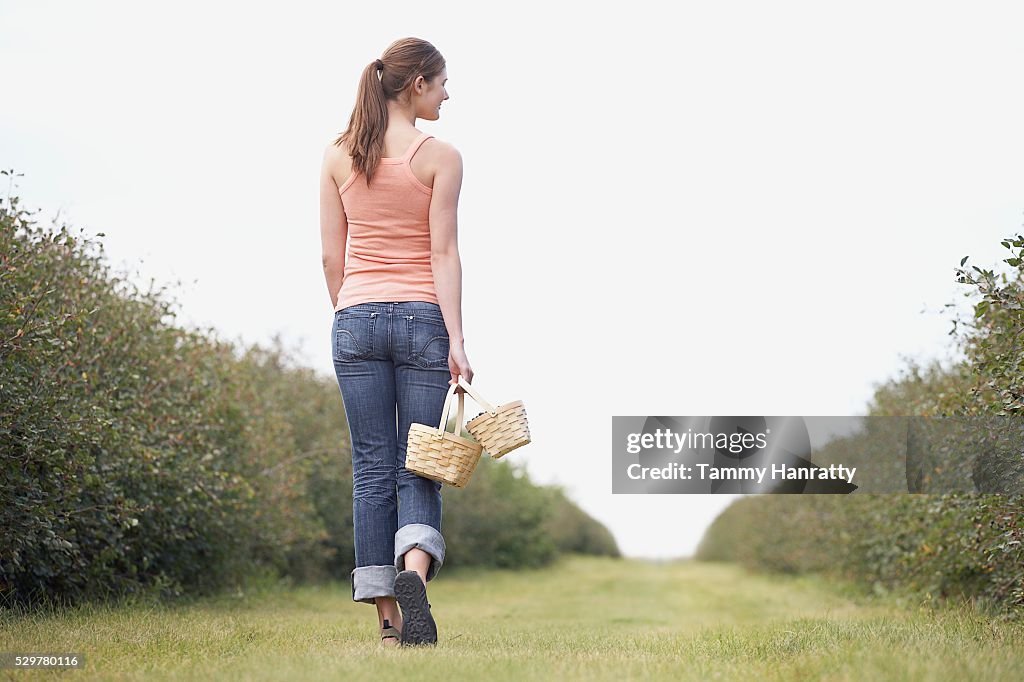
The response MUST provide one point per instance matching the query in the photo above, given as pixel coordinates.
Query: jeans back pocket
(353, 335)
(428, 339)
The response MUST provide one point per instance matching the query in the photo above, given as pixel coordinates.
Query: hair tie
(380, 64)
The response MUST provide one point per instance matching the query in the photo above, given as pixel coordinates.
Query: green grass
(585, 618)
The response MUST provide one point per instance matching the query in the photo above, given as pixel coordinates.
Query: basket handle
(442, 426)
(476, 396)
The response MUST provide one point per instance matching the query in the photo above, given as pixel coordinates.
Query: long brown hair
(403, 61)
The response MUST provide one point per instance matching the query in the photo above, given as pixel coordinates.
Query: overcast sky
(668, 208)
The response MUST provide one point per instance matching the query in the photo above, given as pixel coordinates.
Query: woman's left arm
(333, 227)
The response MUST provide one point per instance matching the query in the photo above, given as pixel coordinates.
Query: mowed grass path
(585, 618)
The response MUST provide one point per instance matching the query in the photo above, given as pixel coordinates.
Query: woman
(397, 340)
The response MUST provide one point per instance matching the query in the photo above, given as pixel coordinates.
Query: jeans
(390, 358)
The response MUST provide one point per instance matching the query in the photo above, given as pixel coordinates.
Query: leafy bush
(497, 520)
(573, 530)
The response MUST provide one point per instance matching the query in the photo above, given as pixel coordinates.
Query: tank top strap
(415, 146)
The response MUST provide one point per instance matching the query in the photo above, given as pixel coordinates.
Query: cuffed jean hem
(369, 582)
(426, 538)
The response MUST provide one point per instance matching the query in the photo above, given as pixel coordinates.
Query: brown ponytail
(403, 61)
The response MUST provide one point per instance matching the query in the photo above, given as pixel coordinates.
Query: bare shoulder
(337, 162)
(443, 153)
(336, 151)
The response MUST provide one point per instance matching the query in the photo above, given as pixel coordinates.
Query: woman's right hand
(458, 364)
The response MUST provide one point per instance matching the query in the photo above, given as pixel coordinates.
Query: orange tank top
(388, 255)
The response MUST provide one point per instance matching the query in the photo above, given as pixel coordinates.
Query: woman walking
(397, 342)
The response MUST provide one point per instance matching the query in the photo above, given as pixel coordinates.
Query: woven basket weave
(440, 455)
(500, 429)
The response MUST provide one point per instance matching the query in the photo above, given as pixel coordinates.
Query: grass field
(585, 618)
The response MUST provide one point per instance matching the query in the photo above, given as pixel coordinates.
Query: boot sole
(418, 626)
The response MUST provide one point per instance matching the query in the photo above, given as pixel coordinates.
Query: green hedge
(948, 546)
(137, 456)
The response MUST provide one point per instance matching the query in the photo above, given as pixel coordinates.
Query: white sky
(668, 208)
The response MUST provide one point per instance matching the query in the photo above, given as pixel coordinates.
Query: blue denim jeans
(391, 360)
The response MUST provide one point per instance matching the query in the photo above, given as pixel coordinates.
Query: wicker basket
(500, 429)
(440, 455)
